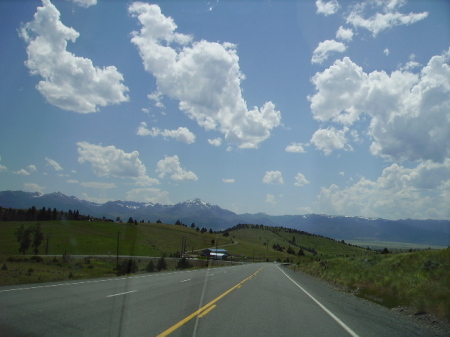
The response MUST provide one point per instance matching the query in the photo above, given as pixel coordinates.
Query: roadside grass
(17, 269)
(417, 279)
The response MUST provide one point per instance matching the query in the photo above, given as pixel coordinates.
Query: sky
(282, 107)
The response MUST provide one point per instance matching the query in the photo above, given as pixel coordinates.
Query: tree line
(43, 214)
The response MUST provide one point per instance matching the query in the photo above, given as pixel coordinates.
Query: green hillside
(154, 239)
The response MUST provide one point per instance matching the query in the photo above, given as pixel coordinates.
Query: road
(241, 300)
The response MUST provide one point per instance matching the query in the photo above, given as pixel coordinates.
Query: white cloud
(72, 181)
(171, 166)
(31, 168)
(325, 48)
(228, 181)
(215, 141)
(98, 185)
(271, 199)
(109, 161)
(85, 3)
(330, 139)
(69, 82)
(153, 195)
(53, 164)
(344, 34)
(273, 177)
(300, 180)
(204, 76)
(32, 187)
(408, 111)
(386, 52)
(422, 193)
(181, 134)
(22, 172)
(3, 168)
(296, 148)
(327, 8)
(388, 17)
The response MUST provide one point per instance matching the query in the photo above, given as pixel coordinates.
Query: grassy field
(259, 243)
(418, 279)
(100, 238)
(391, 245)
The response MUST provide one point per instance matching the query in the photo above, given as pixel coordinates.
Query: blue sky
(282, 107)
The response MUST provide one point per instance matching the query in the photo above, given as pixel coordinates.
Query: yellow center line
(205, 307)
(204, 313)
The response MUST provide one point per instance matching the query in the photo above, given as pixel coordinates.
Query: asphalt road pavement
(240, 300)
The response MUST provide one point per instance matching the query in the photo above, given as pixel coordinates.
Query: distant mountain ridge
(203, 214)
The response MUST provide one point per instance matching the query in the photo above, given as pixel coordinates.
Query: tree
(301, 252)
(210, 231)
(130, 220)
(161, 264)
(23, 236)
(38, 237)
(226, 234)
(193, 225)
(150, 267)
(128, 266)
(213, 242)
(183, 263)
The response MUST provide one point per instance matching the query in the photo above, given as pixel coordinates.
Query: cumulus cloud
(153, 195)
(181, 134)
(386, 17)
(85, 3)
(171, 166)
(325, 48)
(408, 111)
(22, 172)
(327, 8)
(345, 34)
(271, 199)
(109, 161)
(203, 76)
(53, 164)
(228, 181)
(386, 51)
(273, 177)
(330, 139)
(3, 168)
(300, 180)
(421, 193)
(31, 168)
(69, 82)
(215, 141)
(296, 148)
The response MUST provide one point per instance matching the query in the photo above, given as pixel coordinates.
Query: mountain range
(203, 214)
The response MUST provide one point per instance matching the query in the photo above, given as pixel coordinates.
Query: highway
(240, 300)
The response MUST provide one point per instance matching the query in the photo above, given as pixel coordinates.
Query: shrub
(162, 264)
(184, 264)
(128, 266)
(150, 267)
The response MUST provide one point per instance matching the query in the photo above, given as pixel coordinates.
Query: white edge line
(342, 324)
(127, 292)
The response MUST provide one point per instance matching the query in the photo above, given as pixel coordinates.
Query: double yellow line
(206, 308)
